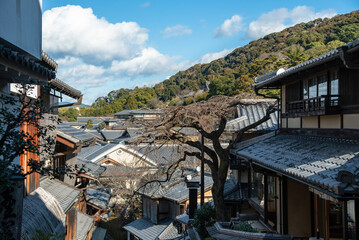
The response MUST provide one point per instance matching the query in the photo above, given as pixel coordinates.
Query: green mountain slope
(234, 73)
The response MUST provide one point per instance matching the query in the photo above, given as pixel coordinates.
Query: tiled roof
(85, 119)
(64, 88)
(123, 112)
(41, 211)
(10, 55)
(49, 61)
(183, 218)
(100, 151)
(165, 154)
(83, 225)
(251, 111)
(97, 198)
(80, 135)
(170, 233)
(92, 169)
(134, 132)
(146, 230)
(315, 160)
(175, 188)
(86, 151)
(63, 193)
(108, 135)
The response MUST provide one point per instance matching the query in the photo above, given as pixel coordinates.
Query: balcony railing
(322, 105)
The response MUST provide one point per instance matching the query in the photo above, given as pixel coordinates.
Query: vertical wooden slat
(326, 212)
(345, 219)
(71, 224)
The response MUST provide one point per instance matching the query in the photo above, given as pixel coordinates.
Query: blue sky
(110, 44)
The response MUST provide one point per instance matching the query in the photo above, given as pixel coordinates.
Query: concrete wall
(351, 121)
(310, 122)
(21, 24)
(299, 220)
(330, 121)
(293, 123)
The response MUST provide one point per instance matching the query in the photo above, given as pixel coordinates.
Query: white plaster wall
(351, 121)
(293, 122)
(127, 159)
(310, 122)
(284, 122)
(21, 24)
(330, 121)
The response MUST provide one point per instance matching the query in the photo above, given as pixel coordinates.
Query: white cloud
(68, 61)
(149, 84)
(230, 27)
(149, 62)
(209, 57)
(76, 31)
(282, 18)
(146, 4)
(96, 56)
(177, 30)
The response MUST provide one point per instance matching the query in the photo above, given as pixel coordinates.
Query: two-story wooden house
(304, 181)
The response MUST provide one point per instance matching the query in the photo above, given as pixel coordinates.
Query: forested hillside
(234, 73)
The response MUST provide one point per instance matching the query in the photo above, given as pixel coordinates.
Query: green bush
(205, 216)
(245, 227)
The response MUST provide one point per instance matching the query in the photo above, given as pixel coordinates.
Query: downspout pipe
(343, 54)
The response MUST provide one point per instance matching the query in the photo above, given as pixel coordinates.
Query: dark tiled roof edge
(18, 58)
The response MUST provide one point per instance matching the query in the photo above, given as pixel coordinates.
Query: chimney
(192, 186)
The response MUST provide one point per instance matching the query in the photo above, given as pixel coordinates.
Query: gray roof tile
(250, 111)
(84, 225)
(307, 157)
(145, 229)
(92, 169)
(76, 133)
(176, 188)
(98, 198)
(65, 194)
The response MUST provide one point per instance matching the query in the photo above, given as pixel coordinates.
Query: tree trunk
(218, 198)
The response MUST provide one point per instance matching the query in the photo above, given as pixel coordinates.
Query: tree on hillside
(209, 119)
(295, 56)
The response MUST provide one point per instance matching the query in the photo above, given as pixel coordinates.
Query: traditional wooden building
(303, 181)
(164, 206)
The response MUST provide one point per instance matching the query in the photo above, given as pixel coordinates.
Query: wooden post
(285, 204)
(345, 219)
(265, 198)
(326, 206)
(71, 224)
(202, 171)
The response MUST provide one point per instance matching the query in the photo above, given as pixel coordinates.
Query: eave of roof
(314, 161)
(17, 58)
(49, 61)
(64, 88)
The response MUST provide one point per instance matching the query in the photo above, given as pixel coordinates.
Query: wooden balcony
(323, 105)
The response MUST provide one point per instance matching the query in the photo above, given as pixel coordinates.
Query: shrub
(245, 227)
(205, 216)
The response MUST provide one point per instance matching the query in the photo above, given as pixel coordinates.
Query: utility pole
(202, 171)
